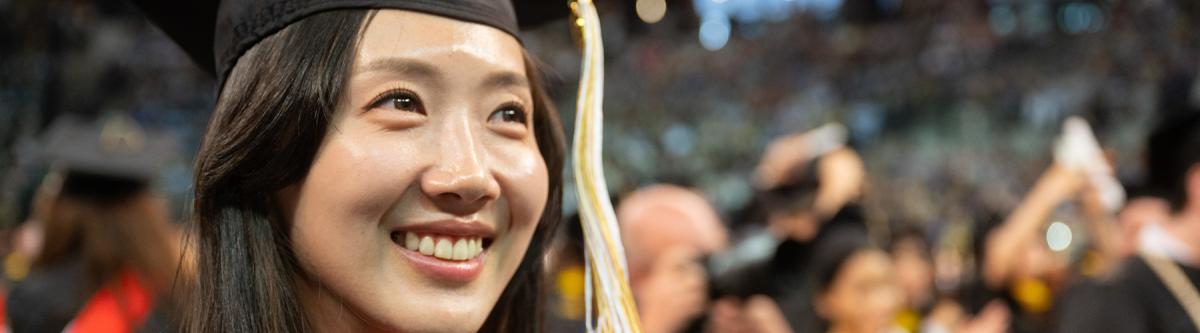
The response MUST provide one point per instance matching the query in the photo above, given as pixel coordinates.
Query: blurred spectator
(810, 188)
(925, 308)
(1156, 292)
(667, 230)
(754, 314)
(107, 260)
(914, 277)
(1141, 222)
(807, 178)
(1019, 264)
(856, 290)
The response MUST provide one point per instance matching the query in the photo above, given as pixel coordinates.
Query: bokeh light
(714, 32)
(651, 11)
(1058, 236)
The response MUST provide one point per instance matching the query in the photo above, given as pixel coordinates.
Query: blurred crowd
(1079, 253)
(885, 166)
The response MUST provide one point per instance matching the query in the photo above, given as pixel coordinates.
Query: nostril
(464, 198)
(451, 196)
(459, 183)
(470, 193)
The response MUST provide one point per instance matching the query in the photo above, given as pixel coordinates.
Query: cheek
(524, 182)
(885, 299)
(341, 203)
(842, 304)
(351, 179)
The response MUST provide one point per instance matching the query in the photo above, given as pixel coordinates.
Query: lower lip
(445, 270)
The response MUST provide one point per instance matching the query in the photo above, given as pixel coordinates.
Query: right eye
(401, 100)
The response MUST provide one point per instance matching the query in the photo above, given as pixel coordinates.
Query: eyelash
(393, 95)
(397, 93)
(521, 114)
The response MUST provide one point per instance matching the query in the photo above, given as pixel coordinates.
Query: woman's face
(914, 272)
(863, 296)
(426, 190)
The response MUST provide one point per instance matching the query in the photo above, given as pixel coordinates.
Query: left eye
(508, 114)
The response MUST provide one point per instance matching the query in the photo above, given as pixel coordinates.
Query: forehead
(868, 262)
(438, 40)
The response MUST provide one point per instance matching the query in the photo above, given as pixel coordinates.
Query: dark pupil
(510, 115)
(403, 103)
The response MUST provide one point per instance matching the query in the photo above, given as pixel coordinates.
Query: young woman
(387, 166)
(856, 290)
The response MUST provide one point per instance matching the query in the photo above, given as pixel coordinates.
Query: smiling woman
(391, 167)
(422, 200)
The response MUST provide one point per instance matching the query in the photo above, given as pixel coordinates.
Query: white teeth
(460, 250)
(444, 250)
(412, 242)
(427, 245)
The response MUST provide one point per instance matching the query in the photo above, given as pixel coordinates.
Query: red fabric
(3, 310)
(121, 306)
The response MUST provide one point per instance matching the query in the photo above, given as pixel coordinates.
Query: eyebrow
(405, 67)
(505, 79)
(421, 70)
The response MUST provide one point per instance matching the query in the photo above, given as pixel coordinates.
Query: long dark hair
(109, 224)
(269, 121)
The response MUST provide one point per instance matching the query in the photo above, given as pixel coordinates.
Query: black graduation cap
(215, 33)
(107, 158)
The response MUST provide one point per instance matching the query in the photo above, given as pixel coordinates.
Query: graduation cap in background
(105, 159)
(215, 33)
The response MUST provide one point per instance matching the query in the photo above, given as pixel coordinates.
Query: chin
(437, 321)
(429, 307)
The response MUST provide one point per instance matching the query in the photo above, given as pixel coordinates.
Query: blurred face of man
(666, 230)
(661, 217)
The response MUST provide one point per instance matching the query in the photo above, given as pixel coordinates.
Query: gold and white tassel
(607, 286)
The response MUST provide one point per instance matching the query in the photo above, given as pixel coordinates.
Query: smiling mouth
(443, 247)
(449, 251)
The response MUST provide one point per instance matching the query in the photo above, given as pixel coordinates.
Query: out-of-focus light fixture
(1081, 17)
(651, 11)
(1037, 18)
(1002, 20)
(714, 32)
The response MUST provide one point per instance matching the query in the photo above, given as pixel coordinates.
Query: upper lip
(456, 228)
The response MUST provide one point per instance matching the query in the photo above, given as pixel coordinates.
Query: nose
(460, 181)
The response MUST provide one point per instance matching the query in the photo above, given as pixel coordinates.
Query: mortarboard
(215, 33)
(108, 158)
